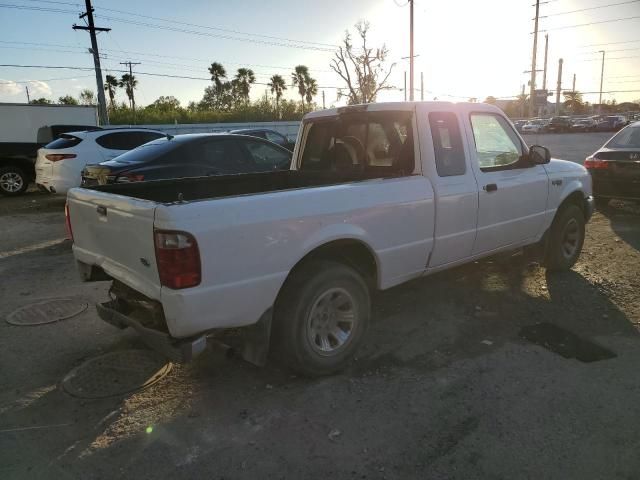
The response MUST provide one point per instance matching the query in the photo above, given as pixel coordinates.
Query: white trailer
(24, 128)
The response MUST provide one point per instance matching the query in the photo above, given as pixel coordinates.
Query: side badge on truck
(144, 262)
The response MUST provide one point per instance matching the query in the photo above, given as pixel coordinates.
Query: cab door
(446, 163)
(512, 192)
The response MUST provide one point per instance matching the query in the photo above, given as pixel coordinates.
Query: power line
(609, 43)
(592, 23)
(228, 30)
(36, 9)
(590, 8)
(44, 80)
(215, 35)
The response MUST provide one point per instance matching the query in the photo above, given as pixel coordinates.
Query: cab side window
(447, 144)
(497, 145)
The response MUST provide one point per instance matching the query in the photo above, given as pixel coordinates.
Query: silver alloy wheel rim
(332, 321)
(570, 238)
(11, 182)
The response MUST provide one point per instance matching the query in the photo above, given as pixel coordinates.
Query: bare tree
(362, 69)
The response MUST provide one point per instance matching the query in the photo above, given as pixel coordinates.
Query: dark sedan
(193, 155)
(271, 135)
(559, 125)
(615, 168)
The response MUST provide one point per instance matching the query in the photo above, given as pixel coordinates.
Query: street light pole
(411, 50)
(601, 80)
(532, 83)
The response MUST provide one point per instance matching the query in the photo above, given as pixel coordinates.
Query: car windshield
(149, 151)
(627, 138)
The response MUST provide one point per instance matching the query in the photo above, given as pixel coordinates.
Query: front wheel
(13, 180)
(321, 317)
(565, 239)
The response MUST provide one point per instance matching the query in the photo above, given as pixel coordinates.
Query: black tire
(303, 294)
(566, 238)
(13, 181)
(602, 204)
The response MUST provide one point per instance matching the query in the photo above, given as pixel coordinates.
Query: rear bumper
(53, 185)
(183, 350)
(612, 188)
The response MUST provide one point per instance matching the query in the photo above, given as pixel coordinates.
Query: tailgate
(115, 233)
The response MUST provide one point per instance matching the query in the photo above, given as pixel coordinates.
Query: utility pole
(411, 50)
(559, 87)
(323, 104)
(422, 86)
(601, 80)
(523, 102)
(26, 87)
(133, 99)
(574, 83)
(405, 86)
(92, 29)
(532, 83)
(546, 52)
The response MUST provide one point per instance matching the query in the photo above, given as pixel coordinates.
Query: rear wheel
(321, 317)
(13, 180)
(565, 239)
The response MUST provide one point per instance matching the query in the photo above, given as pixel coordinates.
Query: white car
(60, 163)
(377, 195)
(534, 126)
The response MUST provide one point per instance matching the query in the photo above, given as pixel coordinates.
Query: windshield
(149, 151)
(626, 138)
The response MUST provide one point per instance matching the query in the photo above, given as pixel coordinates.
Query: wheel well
(575, 198)
(350, 252)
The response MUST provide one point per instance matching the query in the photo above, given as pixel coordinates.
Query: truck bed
(200, 188)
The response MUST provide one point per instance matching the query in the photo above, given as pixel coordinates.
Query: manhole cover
(47, 311)
(116, 373)
(565, 343)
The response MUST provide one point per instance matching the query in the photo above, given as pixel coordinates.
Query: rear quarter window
(64, 141)
(126, 140)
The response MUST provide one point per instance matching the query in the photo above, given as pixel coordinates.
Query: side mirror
(539, 155)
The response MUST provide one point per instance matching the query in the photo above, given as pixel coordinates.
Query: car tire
(566, 238)
(602, 204)
(308, 335)
(13, 181)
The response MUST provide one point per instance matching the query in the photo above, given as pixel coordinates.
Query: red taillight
(592, 163)
(178, 259)
(67, 221)
(130, 177)
(56, 157)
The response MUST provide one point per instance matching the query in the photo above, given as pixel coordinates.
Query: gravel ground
(444, 388)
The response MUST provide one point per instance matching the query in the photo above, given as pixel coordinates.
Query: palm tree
(218, 73)
(110, 85)
(312, 90)
(244, 79)
(573, 101)
(299, 78)
(278, 86)
(129, 83)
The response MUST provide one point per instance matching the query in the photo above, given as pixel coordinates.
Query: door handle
(491, 187)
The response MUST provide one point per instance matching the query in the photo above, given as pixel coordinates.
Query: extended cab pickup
(377, 195)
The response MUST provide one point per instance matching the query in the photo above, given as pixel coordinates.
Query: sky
(464, 48)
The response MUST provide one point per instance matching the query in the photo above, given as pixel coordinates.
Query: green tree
(129, 83)
(40, 101)
(299, 79)
(67, 100)
(573, 102)
(165, 104)
(312, 90)
(218, 73)
(277, 86)
(491, 100)
(242, 83)
(87, 97)
(110, 85)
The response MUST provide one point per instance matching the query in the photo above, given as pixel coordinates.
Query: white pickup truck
(377, 195)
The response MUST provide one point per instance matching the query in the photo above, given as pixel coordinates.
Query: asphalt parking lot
(451, 383)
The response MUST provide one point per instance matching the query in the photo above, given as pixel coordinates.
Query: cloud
(39, 88)
(9, 87)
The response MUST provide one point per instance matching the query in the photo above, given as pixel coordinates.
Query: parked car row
(129, 155)
(565, 124)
